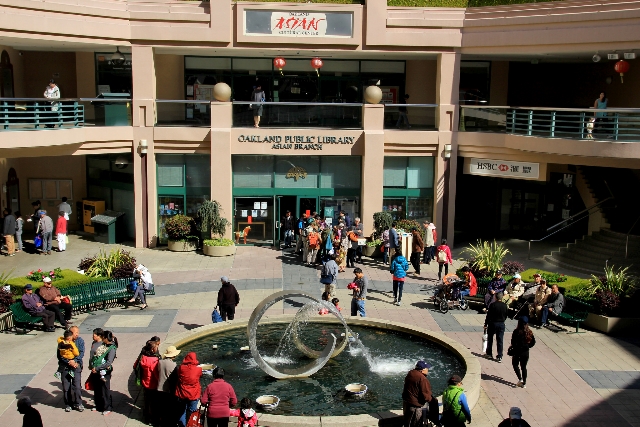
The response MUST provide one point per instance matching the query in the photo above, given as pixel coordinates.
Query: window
(50, 189)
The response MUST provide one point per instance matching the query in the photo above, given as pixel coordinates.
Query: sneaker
(520, 384)
(484, 310)
(57, 375)
(395, 300)
(67, 409)
(79, 408)
(105, 413)
(398, 303)
(499, 359)
(94, 410)
(488, 356)
(524, 386)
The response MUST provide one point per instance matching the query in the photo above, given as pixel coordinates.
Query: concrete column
(143, 116)
(221, 181)
(372, 163)
(86, 80)
(447, 98)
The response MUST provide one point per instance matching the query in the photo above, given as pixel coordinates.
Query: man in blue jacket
(398, 268)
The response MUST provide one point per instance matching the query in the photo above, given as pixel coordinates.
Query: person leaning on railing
(52, 91)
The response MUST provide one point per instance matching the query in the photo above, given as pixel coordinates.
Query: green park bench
(574, 311)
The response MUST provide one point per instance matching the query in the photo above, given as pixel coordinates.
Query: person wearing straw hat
(515, 419)
(167, 378)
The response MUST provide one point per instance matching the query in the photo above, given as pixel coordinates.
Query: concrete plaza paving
(585, 379)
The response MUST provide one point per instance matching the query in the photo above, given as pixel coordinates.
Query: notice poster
(328, 211)
(308, 212)
(254, 213)
(263, 214)
(256, 205)
(243, 213)
(328, 220)
(263, 205)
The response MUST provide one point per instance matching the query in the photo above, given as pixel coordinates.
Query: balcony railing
(183, 113)
(298, 114)
(568, 123)
(418, 116)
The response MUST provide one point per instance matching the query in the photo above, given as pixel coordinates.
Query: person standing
(65, 207)
(257, 98)
(399, 267)
(359, 229)
(515, 419)
(415, 394)
(9, 230)
(385, 245)
(402, 110)
(353, 247)
(52, 91)
(19, 227)
(314, 241)
(429, 243)
(299, 229)
(221, 397)
(601, 116)
(494, 325)
(45, 228)
(455, 409)
(417, 247)
(146, 368)
(35, 307)
(72, 384)
(522, 339)
(61, 231)
(434, 233)
(102, 363)
(167, 378)
(188, 387)
(444, 258)
(394, 241)
(287, 222)
(359, 295)
(31, 416)
(329, 276)
(35, 218)
(343, 247)
(228, 299)
(53, 301)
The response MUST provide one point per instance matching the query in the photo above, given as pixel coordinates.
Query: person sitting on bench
(34, 305)
(514, 290)
(54, 301)
(554, 305)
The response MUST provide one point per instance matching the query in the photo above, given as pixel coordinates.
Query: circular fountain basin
(304, 400)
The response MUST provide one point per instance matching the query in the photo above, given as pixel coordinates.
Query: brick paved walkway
(574, 380)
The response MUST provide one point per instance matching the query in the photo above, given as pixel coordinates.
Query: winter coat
(399, 267)
(189, 374)
(149, 371)
(246, 417)
(220, 397)
(228, 295)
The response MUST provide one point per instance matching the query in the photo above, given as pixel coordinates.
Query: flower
(30, 273)
(39, 270)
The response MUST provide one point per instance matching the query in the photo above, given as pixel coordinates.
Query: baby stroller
(449, 296)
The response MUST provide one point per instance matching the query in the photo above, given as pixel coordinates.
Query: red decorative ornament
(317, 63)
(279, 63)
(622, 67)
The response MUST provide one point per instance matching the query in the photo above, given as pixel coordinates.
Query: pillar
(447, 98)
(221, 180)
(143, 117)
(372, 163)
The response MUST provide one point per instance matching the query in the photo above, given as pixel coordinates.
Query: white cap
(517, 276)
(47, 279)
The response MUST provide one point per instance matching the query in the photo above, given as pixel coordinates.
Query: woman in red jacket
(188, 388)
(443, 256)
(220, 397)
(146, 367)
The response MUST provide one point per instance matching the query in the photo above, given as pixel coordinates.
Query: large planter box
(188, 246)
(219, 250)
(612, 325)
(6, 321)
(370, 251)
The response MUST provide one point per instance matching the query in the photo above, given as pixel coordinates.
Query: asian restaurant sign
(285, 23)
(296, 142)
(503, 168)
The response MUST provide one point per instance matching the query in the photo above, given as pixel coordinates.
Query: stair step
(593, 253)
(588, 266)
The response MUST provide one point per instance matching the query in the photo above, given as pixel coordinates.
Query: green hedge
(567, 285)
(70, 278)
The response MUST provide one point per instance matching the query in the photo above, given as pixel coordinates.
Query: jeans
(288, 237)
(426, 255)
(465, 293)
(188, 406)
(19, 238)
(397, 289)
(217, 422)
(72, 386)
(546, 313)
(227, 311)
(139, 294)
(521, 360)
(46, 241)
(402, 119)
(497, 329)
(359, 253)
(357, 306)
(415, 261)
(446, 269)
(385, 255)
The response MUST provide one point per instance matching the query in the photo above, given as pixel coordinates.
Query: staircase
(589, 253)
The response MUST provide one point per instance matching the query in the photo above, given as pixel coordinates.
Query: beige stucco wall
(421, 81)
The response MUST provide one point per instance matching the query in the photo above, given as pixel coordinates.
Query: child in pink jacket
(247, 417)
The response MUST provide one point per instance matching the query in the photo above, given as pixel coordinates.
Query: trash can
(108, 227)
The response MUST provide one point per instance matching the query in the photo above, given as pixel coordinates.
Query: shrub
(607, 301)
(553, 277)
(218, 242)
(407, 224)
(180, 228)
(71, 278)
(6, 299)
(512, 267)
(211, 221)
(380, 221)
(486, 256)
(117, 264)
(38, 275)
(374, 243)
(615, 281)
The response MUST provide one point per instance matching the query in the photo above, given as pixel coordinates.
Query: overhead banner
(298, 24)
(502, 168)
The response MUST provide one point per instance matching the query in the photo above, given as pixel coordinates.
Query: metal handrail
(67, 99)
(334, 104)
(557, 231)
(581, 212)
(588, 110)
(184, 101)
(626, 247)
(410, 105)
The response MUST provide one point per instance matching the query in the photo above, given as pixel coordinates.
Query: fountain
(320, 365)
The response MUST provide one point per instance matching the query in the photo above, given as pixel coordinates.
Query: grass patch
(568, 285)
(70, 278)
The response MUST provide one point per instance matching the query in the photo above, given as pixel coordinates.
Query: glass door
(253, 220)
(307, 204)
(168, 206)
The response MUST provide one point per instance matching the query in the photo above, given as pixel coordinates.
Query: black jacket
(287, 223)
(497, 313)
(228, 295)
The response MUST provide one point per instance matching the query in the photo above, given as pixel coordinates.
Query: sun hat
(515, 413)
(517, 276)
(171, 351)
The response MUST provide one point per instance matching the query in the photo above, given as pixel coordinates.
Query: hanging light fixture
(118, 58)
(622, 67)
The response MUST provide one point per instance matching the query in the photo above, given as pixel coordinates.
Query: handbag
(66, 239)
(133, 285)
(87, 384)
(326, 279)
(37, 241)
(66, 300)
(485, 338)
(196, 419)
(215, 315)
(382, 249)
(510, 351)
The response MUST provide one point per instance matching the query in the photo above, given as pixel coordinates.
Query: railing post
(75, 114)
(553, 124)
(59, 111)
(583, 124)
(36, 115)
(529, 254)
(513, 121)
(6, 115)
(530, 124)
(616, 125)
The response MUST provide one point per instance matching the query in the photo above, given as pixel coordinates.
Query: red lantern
(317, 64)
(279, 63)
(622, 67)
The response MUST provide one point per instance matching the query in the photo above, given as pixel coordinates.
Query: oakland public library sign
(296, 142)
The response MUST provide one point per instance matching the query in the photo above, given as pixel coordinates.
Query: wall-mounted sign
(297, 172)
(503, 168)
(296, 142)
(286, 23)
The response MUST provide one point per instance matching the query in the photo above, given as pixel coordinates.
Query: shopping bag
(37, 241)
(196, 419)
(66, 239)
(88, 385)
(215, 316)
(133, 285)
(485, 338)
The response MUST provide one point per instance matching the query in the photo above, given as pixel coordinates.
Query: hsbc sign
(503, 168)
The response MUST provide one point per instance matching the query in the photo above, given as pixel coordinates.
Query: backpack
(314, 240)
(442, 255)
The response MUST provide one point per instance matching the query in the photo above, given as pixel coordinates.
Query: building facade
(496, 142)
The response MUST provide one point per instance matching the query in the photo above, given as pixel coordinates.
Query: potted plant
(214, 225)
(181, 232)
(372, 248)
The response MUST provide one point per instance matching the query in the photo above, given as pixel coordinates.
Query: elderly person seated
(54, 301)
(540, 298)
(554, 305)
(514, 290)
(34, 305)
(497, 285)
(530, 289)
